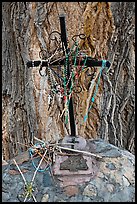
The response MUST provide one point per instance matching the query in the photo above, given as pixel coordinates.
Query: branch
(79, 151)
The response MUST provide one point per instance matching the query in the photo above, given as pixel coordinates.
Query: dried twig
(22, 144)
(38, 139)
(26, 197)
(38, 166)
(56, 145)
(83, 152)
(20, 172)
(24, 182)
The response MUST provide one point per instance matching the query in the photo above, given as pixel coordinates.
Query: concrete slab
(91, 163)
(73, 180)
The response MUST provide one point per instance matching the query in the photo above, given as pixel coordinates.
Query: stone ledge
(113, 182)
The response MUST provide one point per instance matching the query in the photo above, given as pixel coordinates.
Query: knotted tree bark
(109, 28)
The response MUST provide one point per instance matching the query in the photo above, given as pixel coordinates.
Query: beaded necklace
(65, 90)
(71, 79)
(96, 89)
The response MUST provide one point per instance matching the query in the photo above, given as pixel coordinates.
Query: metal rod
(65, 44)
(89, 63)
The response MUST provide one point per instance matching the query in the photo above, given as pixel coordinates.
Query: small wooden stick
(38, 166)
(74, 150)
(38, 139)
(84, 152)
(41, 156)
(20, 172)
(23, 144)
(34, 198)
(26, 197)
(67, 154)
(24, 181)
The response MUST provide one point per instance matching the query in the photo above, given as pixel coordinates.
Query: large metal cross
(90, 62)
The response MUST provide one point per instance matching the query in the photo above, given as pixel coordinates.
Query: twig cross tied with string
(29, 185)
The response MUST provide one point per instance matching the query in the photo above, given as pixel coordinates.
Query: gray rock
(90, 190)
(47, 179)
(46, 189)
(73, 199)
(125, 195)
(39, 196)
(45, 198)
(14, 200)
(114, 180)
(6, 196)
(86, 199)
(112, 153)
(111, 166)
(106, 149)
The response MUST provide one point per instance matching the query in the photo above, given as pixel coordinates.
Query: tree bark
(26, 27)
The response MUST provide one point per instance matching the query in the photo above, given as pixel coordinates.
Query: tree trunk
(26, 28)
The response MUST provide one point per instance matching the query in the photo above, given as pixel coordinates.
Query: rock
(6, 195)
(4, 163)
(110, 187)
(61, 200)
(113, 181)
(71, 190)
(86, 199)
(125, 195)
(106, 149)
(111, 166)
(45, 198)
(47, 179)
(90, 190)
(125, 181)
(74, 199)
(73, 180)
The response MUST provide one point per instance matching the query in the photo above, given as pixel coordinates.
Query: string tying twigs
(29, 185)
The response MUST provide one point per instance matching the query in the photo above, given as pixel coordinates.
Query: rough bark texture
(110, 35)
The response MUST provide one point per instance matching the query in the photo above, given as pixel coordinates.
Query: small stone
(39, 196)
(61, 200)
(86, 199)
(6, 196)
(45, 198)
(74, 199)
(13, 200)
(111, 166)
(127, 194)
(4, 163)
(90, 190)
(71, 190)
(130, 175)
(110, 187)
(47, 179)
(125, 181)
(46, 189)
(100, 175)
